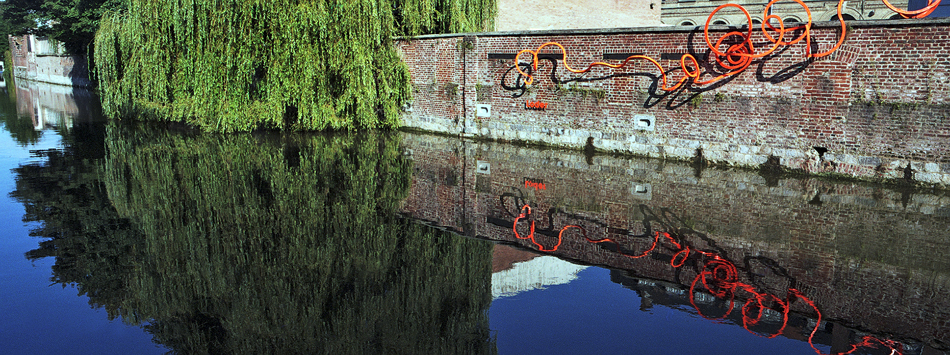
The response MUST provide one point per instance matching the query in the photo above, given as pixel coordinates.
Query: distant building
(696, 12)
(41, 59)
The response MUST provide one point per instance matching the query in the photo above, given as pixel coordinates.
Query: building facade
(41, 59)
(696, 12)
(526, 15)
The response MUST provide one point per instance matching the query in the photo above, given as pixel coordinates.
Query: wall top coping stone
(673, 29)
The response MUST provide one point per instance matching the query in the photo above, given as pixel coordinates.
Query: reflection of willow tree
(245, 244)
(94, 248)
(257, 249)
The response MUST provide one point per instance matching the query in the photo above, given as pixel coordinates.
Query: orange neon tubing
(534, 65)
(738, 57)
(924, 12)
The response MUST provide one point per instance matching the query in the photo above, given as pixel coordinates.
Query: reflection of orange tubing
(644, 253)
(520, 216)
(525, 212)
(720, 278)
(692, 299)
(684, 253)
(738, 56)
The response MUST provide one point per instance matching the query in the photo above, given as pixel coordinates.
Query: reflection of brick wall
(504, 257)
(49, 105)
(871, 257)
(875, 106)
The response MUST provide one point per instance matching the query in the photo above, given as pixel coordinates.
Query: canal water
(125, 237)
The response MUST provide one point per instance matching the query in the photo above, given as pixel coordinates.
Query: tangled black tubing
(719, 277)
(737, 57)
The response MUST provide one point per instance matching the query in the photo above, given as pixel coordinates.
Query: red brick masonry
(877, 108)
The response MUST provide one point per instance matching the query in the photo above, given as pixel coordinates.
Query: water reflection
(515, 271)
(290, 243)
(826, 337)
(257, 243)
(740, 244)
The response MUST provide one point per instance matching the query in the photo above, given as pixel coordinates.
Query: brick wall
(877, 108)
(871, 257)
(46, 67)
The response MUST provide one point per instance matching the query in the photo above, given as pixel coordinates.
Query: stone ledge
(675, 29)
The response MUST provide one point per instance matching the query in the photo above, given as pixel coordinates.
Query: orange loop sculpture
(738, 56)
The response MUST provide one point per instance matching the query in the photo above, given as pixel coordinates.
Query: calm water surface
(133, 239)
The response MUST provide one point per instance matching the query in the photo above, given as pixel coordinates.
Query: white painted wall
(522, 15)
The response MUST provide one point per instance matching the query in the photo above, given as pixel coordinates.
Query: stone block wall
(876, 108)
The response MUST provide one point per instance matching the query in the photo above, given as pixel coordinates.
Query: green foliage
(720, 97)
(583, 92)
(696, 100)
(72, 22)
(258, 244)
(19, 16)
(292, 64)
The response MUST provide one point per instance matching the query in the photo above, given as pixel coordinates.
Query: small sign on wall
(537, 105)
(641, 191)
(483, 167)
(644, 122)
(537, 184)
(482, 110)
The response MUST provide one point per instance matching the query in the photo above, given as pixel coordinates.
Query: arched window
(687, 23)
(720, 22)
(846, 17)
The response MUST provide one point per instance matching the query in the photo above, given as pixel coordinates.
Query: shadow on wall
(517, 78)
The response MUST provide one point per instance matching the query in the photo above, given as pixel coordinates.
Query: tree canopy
(72, 22)
(238, 65)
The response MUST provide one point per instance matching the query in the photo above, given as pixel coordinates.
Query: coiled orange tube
(738, 56)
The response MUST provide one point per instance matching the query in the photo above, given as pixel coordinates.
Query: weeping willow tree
(236, 65)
